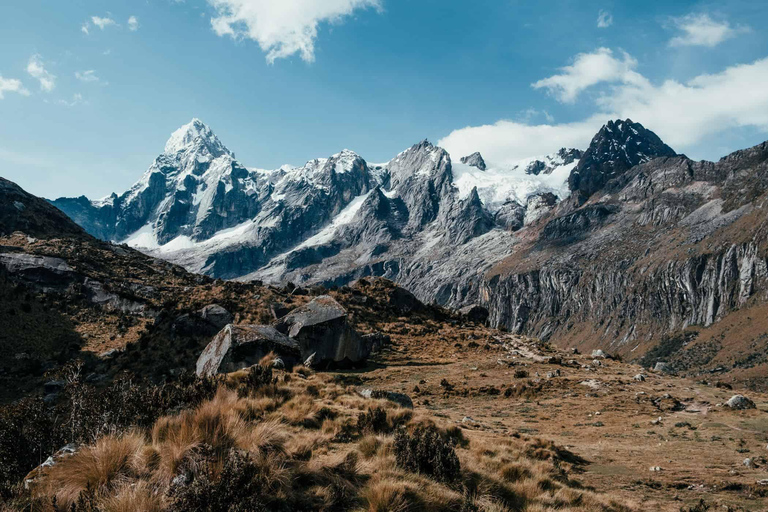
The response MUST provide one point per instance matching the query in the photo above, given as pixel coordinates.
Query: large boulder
(216, 315)
(322, 330)
(241, 346)
(475, 313)
(205, 322)
(740, 402)
(404, 301)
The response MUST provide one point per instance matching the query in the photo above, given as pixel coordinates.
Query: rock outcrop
(323, 333)
(241, 346)
(474, 160)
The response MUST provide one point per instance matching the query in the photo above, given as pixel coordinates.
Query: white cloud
(84, 28)
(604, 19)
(281, 28)
(683, 114)
(701, 30)
(87, 76)
(102, 23)
(507, 142)
(589, 69)
(133, 23)
(37, 70)
(12, 85)
(77, 99)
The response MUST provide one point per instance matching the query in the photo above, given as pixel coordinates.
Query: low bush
(425, 451)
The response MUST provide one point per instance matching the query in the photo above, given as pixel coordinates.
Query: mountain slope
(615, 247)
(20, 211)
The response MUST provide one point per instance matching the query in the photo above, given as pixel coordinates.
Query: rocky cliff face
(670, 244)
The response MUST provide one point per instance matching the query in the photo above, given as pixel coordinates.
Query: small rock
(310, 361)
(639, 377)
(655, 468)
(54, 386)
(278, 364)
(664, 368)
(400, 399)
(657, 421)
(740, 402)
(599, 353)
(749, 463)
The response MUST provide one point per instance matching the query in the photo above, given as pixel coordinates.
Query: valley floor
(661, 444)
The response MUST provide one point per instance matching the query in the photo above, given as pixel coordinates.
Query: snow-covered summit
(517, 182)
(195, 136)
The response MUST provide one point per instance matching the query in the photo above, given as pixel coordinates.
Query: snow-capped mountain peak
(197, 137)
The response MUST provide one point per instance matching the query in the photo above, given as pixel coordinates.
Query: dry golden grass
(306, 446)
(110, 460)
(135, 497)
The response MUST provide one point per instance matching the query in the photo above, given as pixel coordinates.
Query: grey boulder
(475, 313)
(740, 402)
(216, 315)
(400, 399)
(322, 330)
(241, 346)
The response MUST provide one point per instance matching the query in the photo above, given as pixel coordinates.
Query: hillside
(532, 426)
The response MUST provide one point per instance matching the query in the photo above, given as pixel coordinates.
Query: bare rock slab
(321, 329)
(241, 346)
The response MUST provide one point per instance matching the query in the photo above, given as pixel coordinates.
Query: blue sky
(91, 89)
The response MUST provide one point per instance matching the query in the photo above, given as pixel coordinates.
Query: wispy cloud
(12, 85)
(37, 70)
(87, 76)
(684, 114)
(282, 28)
(702, 30)
(102, 23)
(590, 69)
(77, 99)
(604, 19)
(133, 23)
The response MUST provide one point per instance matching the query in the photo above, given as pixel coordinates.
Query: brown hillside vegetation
(308, 442)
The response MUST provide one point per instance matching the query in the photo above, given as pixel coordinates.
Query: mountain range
(619, 246)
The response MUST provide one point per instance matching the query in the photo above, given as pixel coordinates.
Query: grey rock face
(611, 264)
(241, 346)
(510, 216)
(475, 160)
(321, 329)
(538, 206)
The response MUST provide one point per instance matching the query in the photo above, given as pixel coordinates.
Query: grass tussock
(307, 443)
